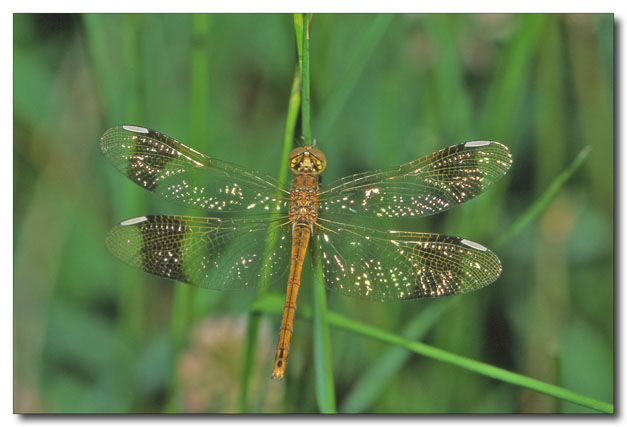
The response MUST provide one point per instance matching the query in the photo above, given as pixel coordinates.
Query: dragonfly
(258, 229)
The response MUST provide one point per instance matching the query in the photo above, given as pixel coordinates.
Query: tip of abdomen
(279, 369)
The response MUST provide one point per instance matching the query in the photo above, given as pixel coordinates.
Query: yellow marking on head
(307, 160)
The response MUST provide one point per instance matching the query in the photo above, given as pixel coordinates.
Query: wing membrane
(397, 265)
(425, 186)
(213, 253)
(167, 167)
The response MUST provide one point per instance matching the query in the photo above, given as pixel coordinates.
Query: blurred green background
(94, 335)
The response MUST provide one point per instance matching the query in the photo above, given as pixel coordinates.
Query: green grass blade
(325, 390)
(453, 106)
(503, 104)
(252, 326)
(199, 111)
(122, 109)
(180, 320)
(543, 201)
(470, 364)
(304, 74)
(289, 135)
(273, 303)
(594, 103)
(250, 345)
(183, 294)
(372, 382)
(97, 44)
(299, 19)
(551, 106)
(368, 43)
(199, 89)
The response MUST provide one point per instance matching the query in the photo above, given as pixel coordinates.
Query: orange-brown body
(303, 214)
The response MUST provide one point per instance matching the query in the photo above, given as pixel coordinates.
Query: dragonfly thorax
(304, 200)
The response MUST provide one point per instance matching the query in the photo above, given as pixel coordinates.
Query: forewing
(424, 186)
(167, 167)
(211, 253)
(398, 265)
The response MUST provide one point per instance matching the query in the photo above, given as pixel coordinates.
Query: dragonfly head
(307, 160)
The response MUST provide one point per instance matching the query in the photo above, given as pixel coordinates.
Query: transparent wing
(211, 253)
(425, 186)
(167, 167)
(399, 265)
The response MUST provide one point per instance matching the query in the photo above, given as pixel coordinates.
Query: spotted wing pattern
(213, 253)
(425, 186)
(399, 265)
(167, 167)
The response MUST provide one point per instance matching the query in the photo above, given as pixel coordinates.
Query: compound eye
(296, 152)
(318, 159)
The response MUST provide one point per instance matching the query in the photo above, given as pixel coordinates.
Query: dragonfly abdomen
(300, 240)
(303, 215)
